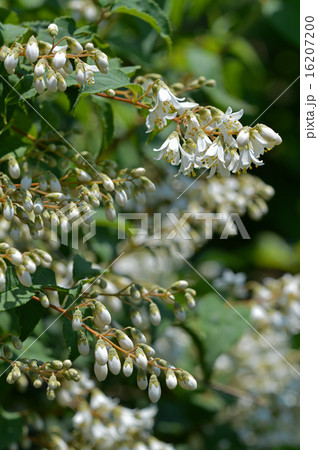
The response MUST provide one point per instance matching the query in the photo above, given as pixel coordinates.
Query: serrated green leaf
(147, 10)
(44, 277)
(83, 269)
(23, 89)
(15, 297)
(85, 34)
(11, 33)
(28, 317)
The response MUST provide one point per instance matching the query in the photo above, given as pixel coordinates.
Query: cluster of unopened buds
(38, 372)
(24, 263)
(206, 137)
(53, 62)
(134, 350)
(40, 200)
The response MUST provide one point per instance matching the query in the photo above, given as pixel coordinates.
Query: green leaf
(11, 425)
(23, 89)
(15, 297)
(28, 317)
(147, 10)
(85, 34)
(104, 3)
(107, 122)
(83, 269)
(44, 277)
(11, 33)
(217, 327)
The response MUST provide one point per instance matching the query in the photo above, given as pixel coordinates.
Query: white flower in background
(32, 49)
(170, 149)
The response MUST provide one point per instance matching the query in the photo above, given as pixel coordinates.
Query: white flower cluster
(42, 201)
(99, 422)
(53, 63)
(269, 411)
(210, 138)
(24, 263)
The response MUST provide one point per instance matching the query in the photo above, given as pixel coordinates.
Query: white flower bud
(101, 316)
(14, 168)
(154, 314)
(101, 371)
(45, 256)
(11, 61)
(61, 83)
(142, 380)
(43, 183)
(89, 46)
(37, 383)
(27, 201)
(74, 46)
(53, 29)
(141, 359)
(180, 285)
(101, 354)
(29, 264)
(26, 181)
(59, 59)
(179, 312)
(39, 68)
(121, 196)
(110, 212)
(243, 137)
(136, 317)
(190, 300)
(154, 389)
(140, 197)
(80, 73)
(15, 256)
(128, 367)
(51, 81)
(77, 320)
(45, 302)
(186, 380)
(147, 349)
(15, 231)
(110, 93)
(8, 210)
(32, 49)
(23, 275)
(39, 85)
(101, 61)
(68, 67)
(107, 183)
(114, 363)
(171, 379)
(16, 342)
(82, 175)
(53, 383)
(50, 394)
(82, 345)
(55, 185)
(124, 341)
(138, 336)
(269, 135)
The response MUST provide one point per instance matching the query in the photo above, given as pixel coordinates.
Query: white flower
(170, 149)
(121, 196)
(101, 61)
(228, 121)
(128, 366)
(15, 256)
(101, 316)
(80, 73)
(192, 125)
(32, 49)
(55, 184)
(68, 68)
(101, 371)
(59, 59)
(142, 380)
(77, 320)
(203, 141)
(39, 68)
(23, 275)
(124, 341)
(187, 381)
(26, 181)
(29, 264)
(53, 29)
(101, 354)
(51, 81)
(61, 83)
(114, 363)
(141, 359)
(154, 389)
(167, 105)
(74, 46)
(154, 314)
(171, 379)
(268, 134)
(8, 210)
(39, 85)
(11, 61)
(83, 346)
(190, 159)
